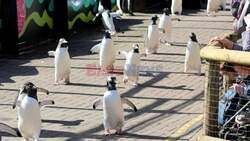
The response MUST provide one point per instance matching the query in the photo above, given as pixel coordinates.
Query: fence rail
(218, 83)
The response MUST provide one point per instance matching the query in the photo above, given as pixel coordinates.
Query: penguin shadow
(192, 74)
(88, 85)
(13, 67)
(63, 122)
(180, 87)
(85, 85)
(125, 24)
(177, 54)
(149, 74)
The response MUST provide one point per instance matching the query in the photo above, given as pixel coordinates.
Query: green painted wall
(38, 21)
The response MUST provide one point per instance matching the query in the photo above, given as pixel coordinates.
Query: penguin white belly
(29, 120)
(62, 63)
(113, 110)
(131, 67)
(176, 6)
(165, 25)
(213, 5)
(107, 55)
(192, 58)
(153, 39)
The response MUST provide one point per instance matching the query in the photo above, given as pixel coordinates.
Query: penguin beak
(15, 102)
(42, 90)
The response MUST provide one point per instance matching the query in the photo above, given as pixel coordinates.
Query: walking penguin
(192, 58)
(107, 52)
(132, 64)
(28, 110)
(152, 41)
(165, 25)
(113, 108)
(62, 62)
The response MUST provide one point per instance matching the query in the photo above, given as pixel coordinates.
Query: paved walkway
(165, 101)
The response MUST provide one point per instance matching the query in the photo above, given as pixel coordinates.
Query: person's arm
(237, 47)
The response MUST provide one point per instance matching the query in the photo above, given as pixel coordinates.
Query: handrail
(215, 53)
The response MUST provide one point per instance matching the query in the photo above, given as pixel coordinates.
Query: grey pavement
(165, 101)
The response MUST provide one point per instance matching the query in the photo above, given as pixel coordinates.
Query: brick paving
(165, 101)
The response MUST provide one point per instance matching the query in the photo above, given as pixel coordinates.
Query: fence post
(60, 19)
(212, 92)
(9, 28)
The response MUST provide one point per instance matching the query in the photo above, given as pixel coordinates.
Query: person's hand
(224, 41)
(239, 88)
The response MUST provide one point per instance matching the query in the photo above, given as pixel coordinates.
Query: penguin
(192, 57)
(106, 51)
(62, 62)
(213, 6)
(108, 22)
(132, 64)
(107, 18)
(113, 107)
(176, 7)
(165, 25)
(151, 41)
(28, 111)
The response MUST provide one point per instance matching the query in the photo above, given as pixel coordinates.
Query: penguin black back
(192, 37)
(107, 35)
(154, 19)
(106, 4)
(166, 11)
(30, 89)
(111, 84)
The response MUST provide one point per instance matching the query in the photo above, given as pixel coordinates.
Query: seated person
(234, 46)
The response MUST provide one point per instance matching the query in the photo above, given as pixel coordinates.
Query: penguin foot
(131, 13)
(118, 132)
(176, 13)
(107, 133)
(125, 81)
(168, 44)
(56, 83)
(67, 82)
(135, 84)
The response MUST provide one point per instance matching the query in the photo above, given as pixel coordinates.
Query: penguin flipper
(129, 103)
(46, 102)
(96, 103)
(7, 129)
(42, 90)
(51, 53)
(95, 49)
